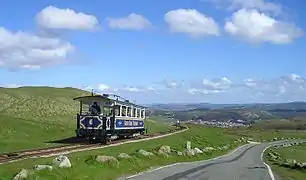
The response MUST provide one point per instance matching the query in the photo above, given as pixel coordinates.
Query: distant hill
(224, 112)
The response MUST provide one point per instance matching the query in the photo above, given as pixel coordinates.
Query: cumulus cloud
(191, 22)
(53, 18)
(24, 50)
(262, 5)
(131, 22)
(256, 27)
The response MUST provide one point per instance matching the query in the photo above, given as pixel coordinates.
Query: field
(82, 169)
(297, 153)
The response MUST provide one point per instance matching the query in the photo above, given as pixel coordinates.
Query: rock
(197, 151)
(124, 156)
(225, 147)
(189, 152)
(41, 167)
(144, 153)
(275, 139)
(62, 161)
(23, 174)
(188, 145)
(208, 149)
(302, 165)
(107, 160)
(164, 149)
(179, 153)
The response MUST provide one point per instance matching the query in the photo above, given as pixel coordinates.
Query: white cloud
(131, 22)
(256, 27)
(65, 19)
(261, 5)
(191, 22)
(286, 88)
(27, 51)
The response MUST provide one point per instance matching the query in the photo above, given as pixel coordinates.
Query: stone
(23, 174)
(164, 149)
(107, 160)
(42, 167)
(62, 161)
(189, 152)
(179, 153)
(188, 145)
(124, 156)
(144, 153)
(207, 149)
(198, 151)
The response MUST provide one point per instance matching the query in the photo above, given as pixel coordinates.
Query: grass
(82, 169)
(266, 134)
(32, 116)
(297, 153)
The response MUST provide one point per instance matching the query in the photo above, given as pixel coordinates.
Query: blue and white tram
(114, 118)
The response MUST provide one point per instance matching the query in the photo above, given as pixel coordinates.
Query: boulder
(42, 167)
(208, 149)
(197, 151)
(107, 160)
(179, 153)
(23, 174)
(190, 152)
(144, 153)
(164, 149)
(124, 156)
(62, 161)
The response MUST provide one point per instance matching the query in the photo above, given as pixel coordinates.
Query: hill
(32, 116)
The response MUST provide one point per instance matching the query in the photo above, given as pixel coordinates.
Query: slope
(32, 116)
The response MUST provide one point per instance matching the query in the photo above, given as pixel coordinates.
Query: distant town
(222, 124)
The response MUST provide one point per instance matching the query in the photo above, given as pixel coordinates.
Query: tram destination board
(122, 123)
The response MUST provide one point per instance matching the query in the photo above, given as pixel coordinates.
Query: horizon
(165, 103)
(216, 51)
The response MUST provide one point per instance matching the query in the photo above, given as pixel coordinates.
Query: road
(245, 163)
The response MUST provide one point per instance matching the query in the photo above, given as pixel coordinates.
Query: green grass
(266, 134)
(199, 136)
(32, 116)
(297, 153)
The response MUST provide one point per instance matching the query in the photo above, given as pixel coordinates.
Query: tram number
(90, 122)
(130, 123)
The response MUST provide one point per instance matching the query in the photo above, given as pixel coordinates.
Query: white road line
(268, 167)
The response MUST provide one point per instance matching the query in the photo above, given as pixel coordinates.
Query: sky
(215, 51)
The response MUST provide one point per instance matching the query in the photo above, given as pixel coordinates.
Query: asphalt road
(245, 163)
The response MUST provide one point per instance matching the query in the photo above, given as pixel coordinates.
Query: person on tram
(95, 108)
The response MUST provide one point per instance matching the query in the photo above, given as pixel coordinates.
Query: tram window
(138, 112)
(129, 111)
(134, 112)
(123, 111)
(117, 110)
(142, 113)
(106, 111)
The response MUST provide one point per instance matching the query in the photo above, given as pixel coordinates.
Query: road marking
(268, 167)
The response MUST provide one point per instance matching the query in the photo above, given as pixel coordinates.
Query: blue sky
(218, 51)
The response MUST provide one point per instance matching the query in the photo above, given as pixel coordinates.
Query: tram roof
(100, 98)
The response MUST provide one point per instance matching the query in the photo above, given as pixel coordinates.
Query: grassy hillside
(82, 169)
(32, 116)
(297, 152)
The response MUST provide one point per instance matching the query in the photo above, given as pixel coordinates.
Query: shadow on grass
(70, 140)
